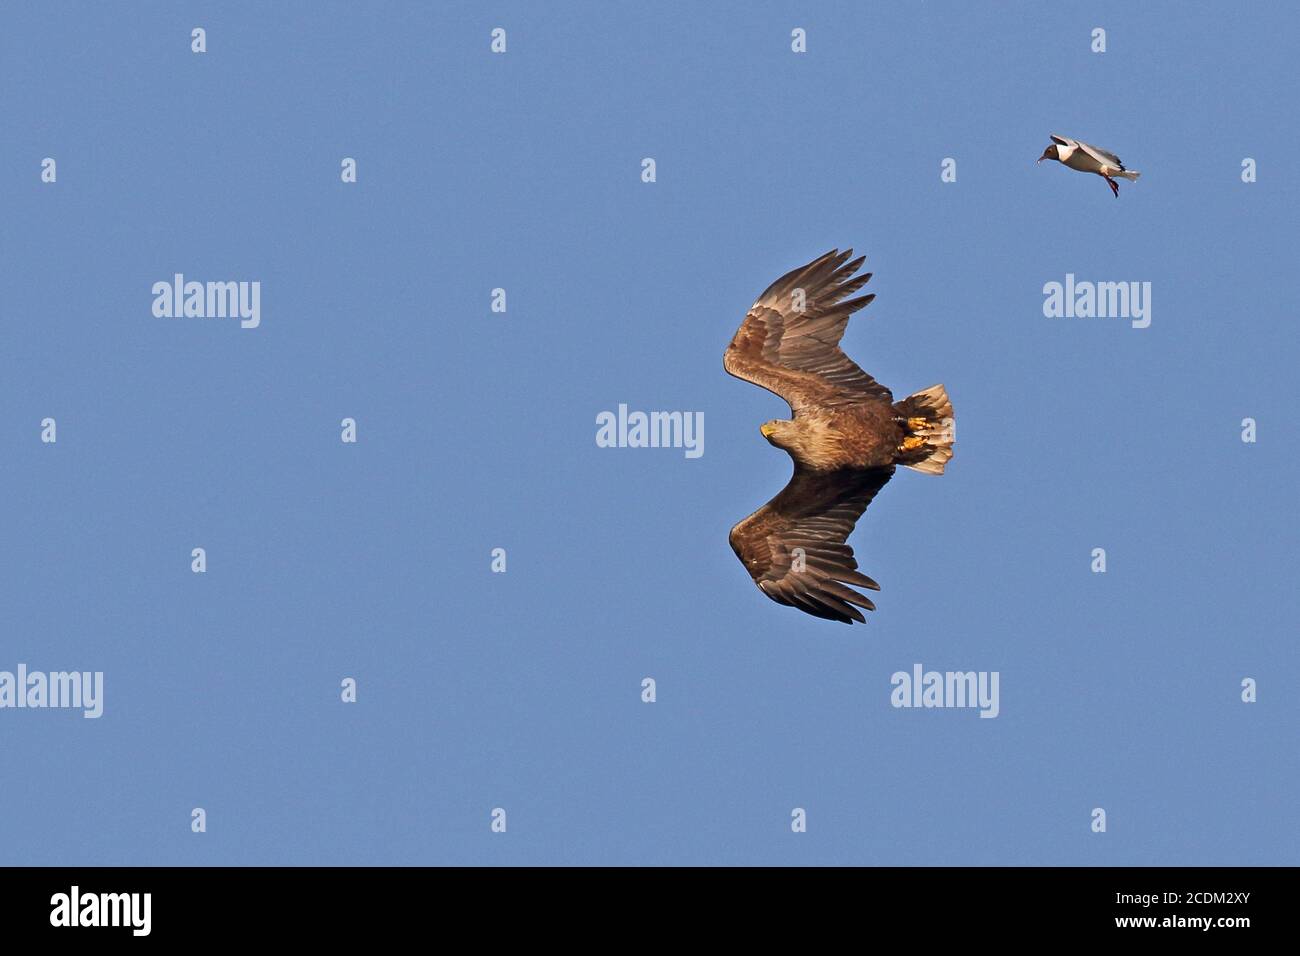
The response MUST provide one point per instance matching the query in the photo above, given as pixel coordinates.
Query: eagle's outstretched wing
(794, 546)
(789, 341)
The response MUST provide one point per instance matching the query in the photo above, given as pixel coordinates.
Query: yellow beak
(767, 429)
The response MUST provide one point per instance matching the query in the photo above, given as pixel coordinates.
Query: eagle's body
(846, 437)
(863, 434)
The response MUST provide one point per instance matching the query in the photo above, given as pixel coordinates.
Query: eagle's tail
(1130, 174)
(928, 425)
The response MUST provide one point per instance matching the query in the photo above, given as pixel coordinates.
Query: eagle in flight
(846, 437)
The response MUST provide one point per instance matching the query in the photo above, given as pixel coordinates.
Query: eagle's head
(805, 440)
(779, 432)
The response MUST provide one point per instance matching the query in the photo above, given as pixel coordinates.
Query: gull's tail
(1130, 174)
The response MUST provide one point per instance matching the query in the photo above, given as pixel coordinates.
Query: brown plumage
(846, 437)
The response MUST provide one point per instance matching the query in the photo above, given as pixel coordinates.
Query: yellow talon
(912, 442)
(916, 424)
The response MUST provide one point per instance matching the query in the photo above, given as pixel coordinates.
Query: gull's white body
(1080, 156)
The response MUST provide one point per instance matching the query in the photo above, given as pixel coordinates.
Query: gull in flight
(1088, 159)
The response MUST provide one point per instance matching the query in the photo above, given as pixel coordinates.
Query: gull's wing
(789, 341)
(1063, 140)
(806, 526)
(1102, 156)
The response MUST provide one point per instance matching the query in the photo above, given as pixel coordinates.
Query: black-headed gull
(1088, 159)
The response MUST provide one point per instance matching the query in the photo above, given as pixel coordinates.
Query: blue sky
(476, 431)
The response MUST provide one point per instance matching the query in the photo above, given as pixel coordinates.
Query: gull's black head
(1049, 153)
